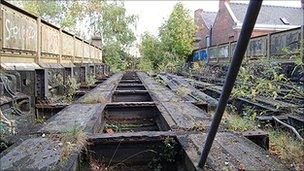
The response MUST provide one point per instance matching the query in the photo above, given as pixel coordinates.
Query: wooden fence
(270, 46)
(27, 38)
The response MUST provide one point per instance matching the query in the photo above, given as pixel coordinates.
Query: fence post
(60, 45)
(268, 45)
(39, 38)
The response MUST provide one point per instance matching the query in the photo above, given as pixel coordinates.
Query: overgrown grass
(72, 141)
(289, 150)
(91, 80)
(238, 123)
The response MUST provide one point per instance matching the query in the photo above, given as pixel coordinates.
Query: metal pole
(247, 28)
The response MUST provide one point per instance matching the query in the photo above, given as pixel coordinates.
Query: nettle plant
(70, 88)
(259, 78)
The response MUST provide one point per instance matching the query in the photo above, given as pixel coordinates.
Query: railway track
(283, 117)
(131, 122)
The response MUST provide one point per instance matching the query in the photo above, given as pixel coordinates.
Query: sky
(151, 14)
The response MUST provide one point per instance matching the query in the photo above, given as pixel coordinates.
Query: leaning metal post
(238, 55)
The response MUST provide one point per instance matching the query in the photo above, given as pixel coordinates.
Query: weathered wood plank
(230, 151)
(32, 154)
(82, 116)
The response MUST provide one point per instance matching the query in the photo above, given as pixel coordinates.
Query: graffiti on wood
(289, 40)
(19, 32)
(257, 47)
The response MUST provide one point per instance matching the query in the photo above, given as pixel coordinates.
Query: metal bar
(247, 28)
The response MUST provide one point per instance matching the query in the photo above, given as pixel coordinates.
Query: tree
(64, 14)
(115, 27)
(177, 33)
(150, 50)
(106, 19)
(175, 42)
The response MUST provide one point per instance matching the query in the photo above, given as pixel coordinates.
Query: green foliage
(70, 88)
(259, 78)
(115, 27)
(106, 19)
(61, 13)
(150, 50)
(91, 80)
(241, 122)
(289, 150)
(177, 33)
(175, 42)
(238, 123)
(145, 64)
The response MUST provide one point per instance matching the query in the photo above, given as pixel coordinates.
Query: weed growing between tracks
(289, 150)
(282, 144)
(91, 80)
(155, 156)
(72, 141)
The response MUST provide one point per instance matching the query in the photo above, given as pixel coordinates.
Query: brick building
(204, 21)
(229, 19)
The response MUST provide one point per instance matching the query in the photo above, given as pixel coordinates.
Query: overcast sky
(152, 13)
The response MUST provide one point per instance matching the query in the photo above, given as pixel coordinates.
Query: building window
(207, 41)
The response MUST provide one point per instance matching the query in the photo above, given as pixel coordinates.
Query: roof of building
(270, 14)
(209, 17)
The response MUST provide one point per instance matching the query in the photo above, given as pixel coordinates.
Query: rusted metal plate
(67, 44)
(19, 31)
(50, 42)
